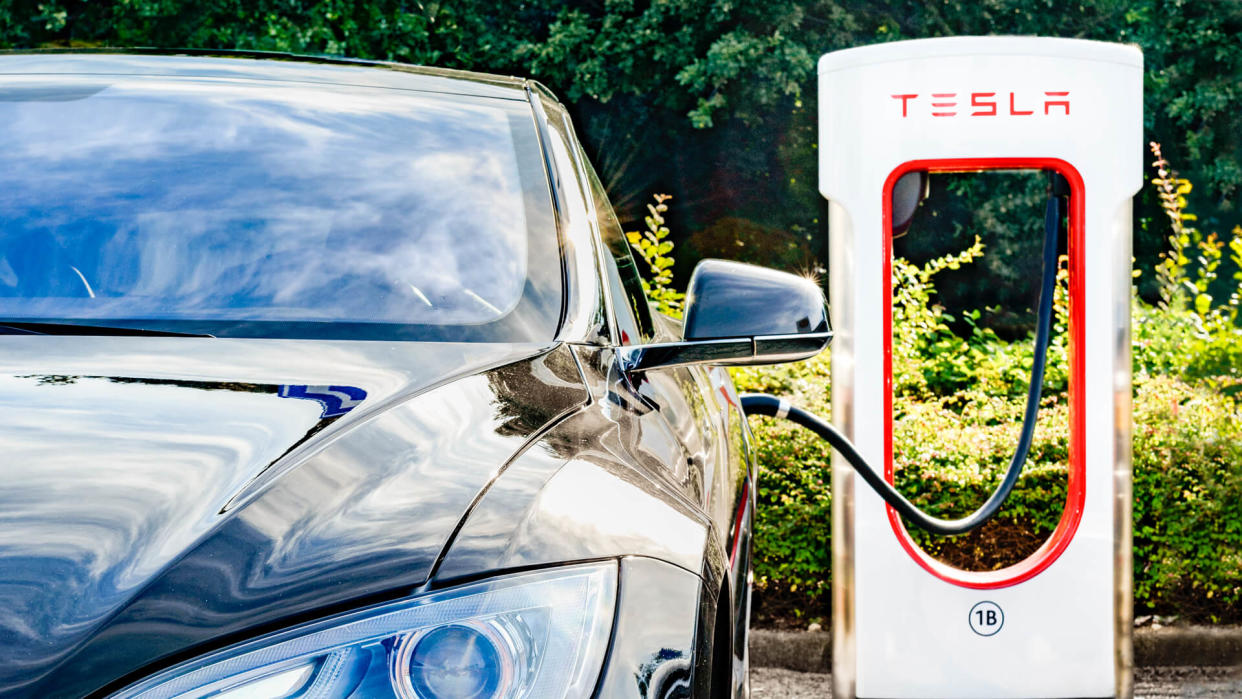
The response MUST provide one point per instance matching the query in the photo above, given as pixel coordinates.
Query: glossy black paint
(169, 496)
(653, 650)
(732, 299)
(141, 507)
(616, 469)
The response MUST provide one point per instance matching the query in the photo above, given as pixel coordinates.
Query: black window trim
(601, 248)
(598, 249)
(558, 205)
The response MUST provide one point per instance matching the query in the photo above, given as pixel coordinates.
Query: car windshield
(269, 209)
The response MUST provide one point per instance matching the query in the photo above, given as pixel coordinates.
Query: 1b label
(986, 618)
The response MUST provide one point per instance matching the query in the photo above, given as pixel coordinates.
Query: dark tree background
(713, 101)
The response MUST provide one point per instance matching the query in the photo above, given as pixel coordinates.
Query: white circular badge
(986, 618)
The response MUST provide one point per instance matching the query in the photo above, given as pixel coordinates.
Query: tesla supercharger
(1057, 624)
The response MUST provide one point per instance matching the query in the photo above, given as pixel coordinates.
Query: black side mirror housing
(908, 192)
(740, 314)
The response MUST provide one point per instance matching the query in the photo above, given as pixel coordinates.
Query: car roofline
(258, 55)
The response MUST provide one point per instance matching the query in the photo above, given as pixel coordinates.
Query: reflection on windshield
(175, 200)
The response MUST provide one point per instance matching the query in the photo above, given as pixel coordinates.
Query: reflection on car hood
(164, 495)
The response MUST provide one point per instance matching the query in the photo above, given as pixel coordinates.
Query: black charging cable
(764, 404)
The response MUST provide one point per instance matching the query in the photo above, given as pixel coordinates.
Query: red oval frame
(1076, 487)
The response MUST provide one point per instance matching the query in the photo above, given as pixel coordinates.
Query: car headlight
(540, 634)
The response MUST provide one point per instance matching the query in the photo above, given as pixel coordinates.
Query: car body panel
(118, 523)
(653, 646)
(577, 493)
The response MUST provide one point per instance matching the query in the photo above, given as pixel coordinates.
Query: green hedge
(1187, 490)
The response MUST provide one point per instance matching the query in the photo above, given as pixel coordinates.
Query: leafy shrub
(1187, 500)
(652, 246)
(1188, 333)
(793, 514)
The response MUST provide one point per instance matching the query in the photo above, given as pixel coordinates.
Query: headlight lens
(457, 661)
(539, 634)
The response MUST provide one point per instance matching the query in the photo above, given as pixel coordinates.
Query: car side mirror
(908, 192)
(739, 314)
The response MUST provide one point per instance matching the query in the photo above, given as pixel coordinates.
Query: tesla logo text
(984, 104)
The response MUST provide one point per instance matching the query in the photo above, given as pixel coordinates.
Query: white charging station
(1058, 623)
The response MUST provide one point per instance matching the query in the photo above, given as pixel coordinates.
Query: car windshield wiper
(24, 328)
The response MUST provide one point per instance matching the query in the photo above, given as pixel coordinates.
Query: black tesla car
(325, 379)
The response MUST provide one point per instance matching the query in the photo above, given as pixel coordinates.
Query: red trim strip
(737, 520)
(1071, 516)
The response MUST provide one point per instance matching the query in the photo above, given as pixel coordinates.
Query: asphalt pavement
(1149, 683)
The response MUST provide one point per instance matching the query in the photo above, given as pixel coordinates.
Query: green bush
(1187, 487)
(958, 401)
(1187, 501)
(655, 251)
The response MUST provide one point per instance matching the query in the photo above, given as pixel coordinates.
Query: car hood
(163, 496)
